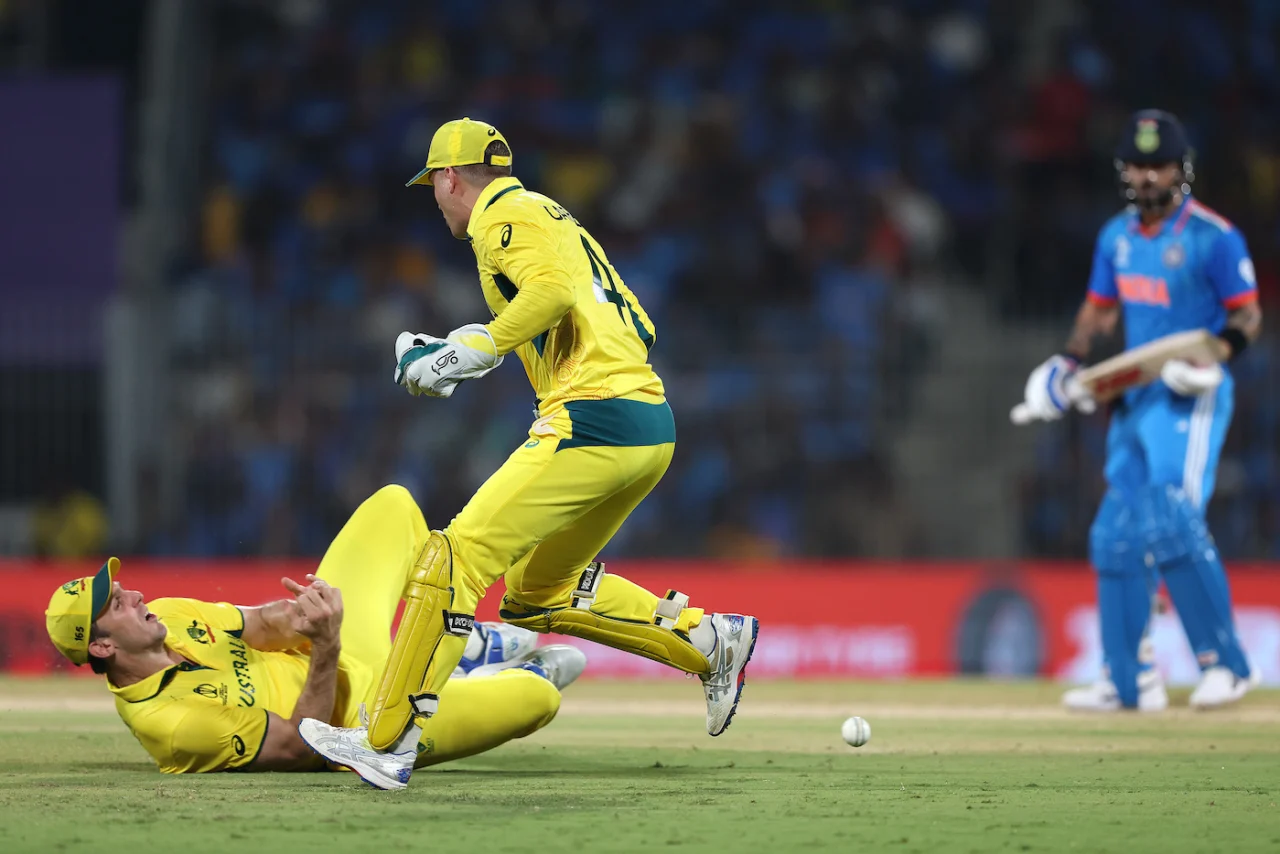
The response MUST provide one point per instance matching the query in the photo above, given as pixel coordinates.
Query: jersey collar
(147, 688)
(153, 684)
(1176, 220)
(490, 194)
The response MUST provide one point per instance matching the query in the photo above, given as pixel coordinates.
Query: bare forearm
(1092, 322)
(270, 626)
(283, 748)
(320, 689)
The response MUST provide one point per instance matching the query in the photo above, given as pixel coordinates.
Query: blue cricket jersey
(1186, 274)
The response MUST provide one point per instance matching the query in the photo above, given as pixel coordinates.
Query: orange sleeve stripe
(1241, 299)
(1099, 299)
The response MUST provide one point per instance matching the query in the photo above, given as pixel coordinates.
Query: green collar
(155, 683)
(147, 688)
(490, 194)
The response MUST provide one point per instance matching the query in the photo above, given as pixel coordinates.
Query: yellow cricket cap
(461, 142)
(74, 607)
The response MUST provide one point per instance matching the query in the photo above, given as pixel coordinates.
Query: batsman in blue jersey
(1167, 264)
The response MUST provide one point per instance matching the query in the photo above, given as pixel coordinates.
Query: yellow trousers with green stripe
(369, 561)
(540, 519)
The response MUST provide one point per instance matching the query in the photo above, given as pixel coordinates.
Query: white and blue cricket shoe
(503, 646)
(349, 746)
(559, 664)
(723, 684)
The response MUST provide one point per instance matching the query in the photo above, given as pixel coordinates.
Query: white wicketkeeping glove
(1189, 380)
(1051, 390)
(434, 366)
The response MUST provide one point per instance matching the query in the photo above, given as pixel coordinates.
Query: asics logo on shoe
(338, 751)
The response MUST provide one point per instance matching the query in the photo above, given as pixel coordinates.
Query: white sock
(475, 644)
(703, 636)
(408, 740)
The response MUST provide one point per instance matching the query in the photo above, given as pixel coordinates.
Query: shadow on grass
(126, 767)
(595, 771)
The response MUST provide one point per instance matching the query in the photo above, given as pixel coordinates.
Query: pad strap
(669, 609)
(459, 625)
(425, 704)
(588, 583)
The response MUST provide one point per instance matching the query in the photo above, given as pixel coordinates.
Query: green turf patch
(951, 767)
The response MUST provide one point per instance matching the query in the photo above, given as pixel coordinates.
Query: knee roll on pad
(410, 684)
(656, 641)
(1113, 547)
(1168, 525)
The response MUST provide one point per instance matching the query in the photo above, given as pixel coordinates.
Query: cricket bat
(1109, 379)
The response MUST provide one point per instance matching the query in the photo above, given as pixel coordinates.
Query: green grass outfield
(952, 766)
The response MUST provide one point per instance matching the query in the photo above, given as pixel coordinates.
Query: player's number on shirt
(607, 291)
(603, 294)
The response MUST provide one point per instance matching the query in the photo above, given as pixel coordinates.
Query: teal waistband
(618, 423)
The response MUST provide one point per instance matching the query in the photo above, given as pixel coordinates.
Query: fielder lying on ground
(216, 687)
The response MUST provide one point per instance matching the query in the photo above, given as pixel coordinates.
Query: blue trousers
(1162, 457)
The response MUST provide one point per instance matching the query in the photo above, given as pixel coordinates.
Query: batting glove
(1189, 380)
(1051, 390)
(434, 366)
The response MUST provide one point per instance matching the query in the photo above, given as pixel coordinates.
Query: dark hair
(96, 664)
(483, 173)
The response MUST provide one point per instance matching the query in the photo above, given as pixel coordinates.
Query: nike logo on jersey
(1142, 290)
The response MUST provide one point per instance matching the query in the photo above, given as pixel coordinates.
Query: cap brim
(103, 586)
(423, 177)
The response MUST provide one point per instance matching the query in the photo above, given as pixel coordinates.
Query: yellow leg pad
(644, 639)
(428, 645)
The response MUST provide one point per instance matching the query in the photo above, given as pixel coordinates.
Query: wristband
(1236, 340)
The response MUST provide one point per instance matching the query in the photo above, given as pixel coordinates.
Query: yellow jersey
(598, 349)
(209, 713)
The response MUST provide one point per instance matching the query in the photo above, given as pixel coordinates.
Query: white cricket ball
(856, 731)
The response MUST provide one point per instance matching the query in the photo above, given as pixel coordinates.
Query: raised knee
(393, 492)
(393, 501)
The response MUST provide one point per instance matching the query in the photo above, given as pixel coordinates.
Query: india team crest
(1174, 255)
(1147, 136)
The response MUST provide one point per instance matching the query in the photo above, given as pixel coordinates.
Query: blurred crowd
(742, 172)
(782, 189)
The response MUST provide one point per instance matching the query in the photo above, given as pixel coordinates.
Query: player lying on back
(603, 438)
(1172, 265)
(214, 687)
